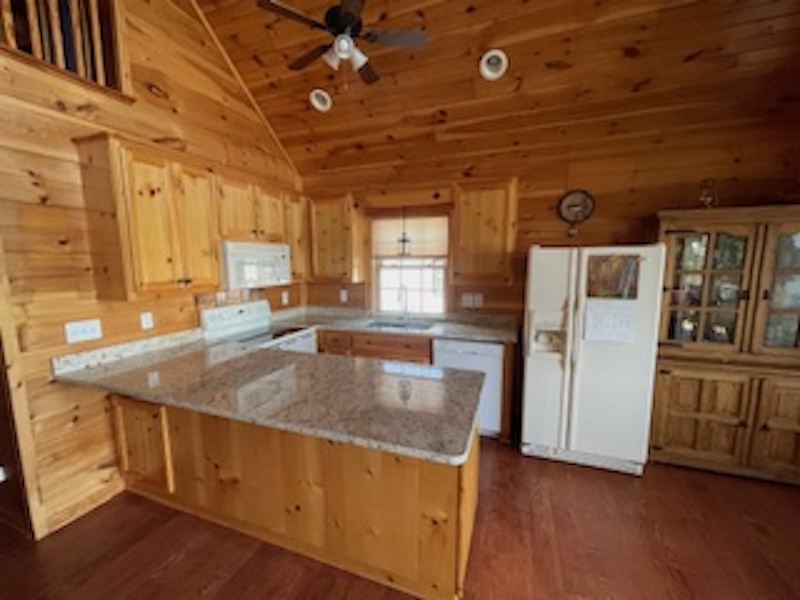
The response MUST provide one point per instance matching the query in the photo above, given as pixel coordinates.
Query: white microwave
(247, 265)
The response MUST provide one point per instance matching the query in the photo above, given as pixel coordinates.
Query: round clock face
(576, 206)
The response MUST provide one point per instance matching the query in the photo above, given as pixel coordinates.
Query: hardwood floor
(545, 530)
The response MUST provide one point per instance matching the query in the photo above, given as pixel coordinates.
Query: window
(73, 35)
(410, 264)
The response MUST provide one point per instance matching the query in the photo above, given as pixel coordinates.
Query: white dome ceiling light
(320, 100)
(493, 64)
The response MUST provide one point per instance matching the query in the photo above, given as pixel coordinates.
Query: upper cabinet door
(196, 226)
(297, 236)
(156, 260)
(237, 210)
(332, 239)
(270, 206)
(777, 321)
(484, 234)
(707, 283)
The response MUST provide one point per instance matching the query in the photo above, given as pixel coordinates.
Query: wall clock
(576, 206)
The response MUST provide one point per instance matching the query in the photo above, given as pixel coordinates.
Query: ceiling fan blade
(405, 38)
(353, 7)
(368, 74)
(309, 57)
(281, 9)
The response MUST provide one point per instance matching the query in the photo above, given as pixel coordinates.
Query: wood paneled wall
(185, 97)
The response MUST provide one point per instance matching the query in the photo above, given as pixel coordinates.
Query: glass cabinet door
(706, 286)
(777, 322)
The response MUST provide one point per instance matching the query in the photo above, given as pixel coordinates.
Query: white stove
(251, 323)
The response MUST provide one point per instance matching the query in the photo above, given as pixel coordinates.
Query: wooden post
(35, 31)
(77, 36)
(97, 43)
(9, 36)
(55, 33)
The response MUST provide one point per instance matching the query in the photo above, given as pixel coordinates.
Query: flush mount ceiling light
(320, 100)
(493, 64)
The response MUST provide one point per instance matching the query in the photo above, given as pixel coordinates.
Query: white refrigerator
(591, 335)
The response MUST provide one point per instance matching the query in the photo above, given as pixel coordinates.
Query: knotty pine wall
(184, 96)
(752, 165)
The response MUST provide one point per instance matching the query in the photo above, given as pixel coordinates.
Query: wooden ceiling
(589, 80)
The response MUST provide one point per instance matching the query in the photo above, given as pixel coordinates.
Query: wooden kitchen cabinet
(249, 212)
(340, 241)
(731, 322)
(483, 233)
(237, 209)
(386, 346)
(166, 229)
(406, 348)
(776, 436)
(701, 416)
(143, 445)
(298, 235)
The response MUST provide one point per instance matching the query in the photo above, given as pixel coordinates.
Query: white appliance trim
(582, 458)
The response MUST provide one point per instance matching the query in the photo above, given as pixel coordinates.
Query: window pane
(725, 290)
(691, 252)
(390, 301)
(411, 285)
(786, 291)
(729, 251)
(720, 327)
(782, 331)
(426, 236)
(684, 325)
(389, 278)
(689, 290)
(788, 251)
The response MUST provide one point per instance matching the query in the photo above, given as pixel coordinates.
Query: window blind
(427, 236)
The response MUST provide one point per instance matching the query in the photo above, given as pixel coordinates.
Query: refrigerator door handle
(569, 350)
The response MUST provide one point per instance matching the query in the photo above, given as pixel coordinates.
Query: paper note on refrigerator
(610, 321)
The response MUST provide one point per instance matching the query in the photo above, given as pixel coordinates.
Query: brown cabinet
(340, 241)
(483, 233)
(731, 324)
(237, 209)
(298, 234)
(406, 348)
(171, 223)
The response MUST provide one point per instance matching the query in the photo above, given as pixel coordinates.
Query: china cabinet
(728, 387)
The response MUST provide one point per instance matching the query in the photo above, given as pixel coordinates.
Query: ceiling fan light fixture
(332, 59)
(358, 59)
(493, 64)
(343, 46)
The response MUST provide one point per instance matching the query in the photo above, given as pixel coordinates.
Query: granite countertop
(414, 410)
(498, 329)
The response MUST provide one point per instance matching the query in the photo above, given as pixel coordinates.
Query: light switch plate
(477, 299)
(467, 300)
(146, 320)
(285, 297)
(83, 331)
(344, 296)
(3, 474)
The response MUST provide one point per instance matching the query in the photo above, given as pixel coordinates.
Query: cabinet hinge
(744, 295)
(665, 371)
(659, 448)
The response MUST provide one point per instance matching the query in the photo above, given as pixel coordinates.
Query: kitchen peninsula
(367, 465)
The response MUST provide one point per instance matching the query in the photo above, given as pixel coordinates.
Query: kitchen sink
(400, 324)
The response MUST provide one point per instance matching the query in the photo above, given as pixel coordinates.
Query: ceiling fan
(343, 22)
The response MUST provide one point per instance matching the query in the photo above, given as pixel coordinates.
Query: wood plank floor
(545, 530)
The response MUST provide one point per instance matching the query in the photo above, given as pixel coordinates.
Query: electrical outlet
(477, 300)
(146, 320)
(153, 379)
(83, 331)
(3, 474)
(467, 300)
(285, 297)
(344, 296)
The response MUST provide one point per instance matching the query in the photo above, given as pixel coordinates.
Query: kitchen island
(367, 465)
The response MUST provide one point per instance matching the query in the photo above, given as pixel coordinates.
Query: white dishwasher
(486, 358)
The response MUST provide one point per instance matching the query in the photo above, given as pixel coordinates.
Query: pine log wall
(185, 96)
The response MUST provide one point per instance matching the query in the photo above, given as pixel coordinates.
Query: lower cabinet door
(776, 439)
(701, 417)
